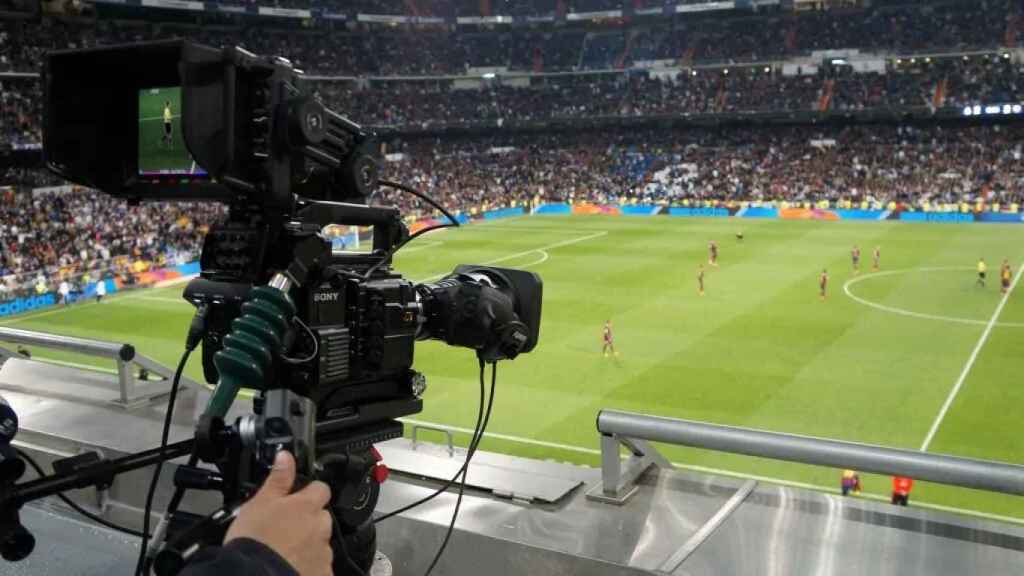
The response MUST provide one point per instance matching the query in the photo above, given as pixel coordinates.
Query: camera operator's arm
(276, 532)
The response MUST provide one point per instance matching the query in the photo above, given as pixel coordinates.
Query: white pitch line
(158, 118)
(116, 299)
(162, 299)
(542, 249)
(911, 313)
(421, 246)
(970, 363)
(714, 471)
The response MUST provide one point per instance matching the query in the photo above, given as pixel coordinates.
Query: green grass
(760, 349)
(154, 154)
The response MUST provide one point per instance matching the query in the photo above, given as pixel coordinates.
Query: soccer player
(65, 292)
(739, 236)
(855, 256)
(823, 283)
(168, 118)
(101, 290)
(982, 269)
(700, 279)
(608, 343)
(713, 253)
(876, 258)
(1005, 274)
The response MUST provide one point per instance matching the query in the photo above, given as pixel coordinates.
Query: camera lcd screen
(162, 148)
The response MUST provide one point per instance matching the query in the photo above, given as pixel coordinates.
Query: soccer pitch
(876, 362)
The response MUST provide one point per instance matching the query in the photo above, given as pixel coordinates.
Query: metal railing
(130, 392)
(634, 431)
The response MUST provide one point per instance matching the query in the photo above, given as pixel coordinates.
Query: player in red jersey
(855, 256)
(1005, 275)
(876, 258)
(700, 279)
(713, 253)
(609, 344)
(823, 283)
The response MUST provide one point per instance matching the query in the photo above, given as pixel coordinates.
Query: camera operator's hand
(296, 526)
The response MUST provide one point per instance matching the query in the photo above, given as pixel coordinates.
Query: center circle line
(911, 313)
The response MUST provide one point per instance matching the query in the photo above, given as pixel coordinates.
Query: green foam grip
(250, 347)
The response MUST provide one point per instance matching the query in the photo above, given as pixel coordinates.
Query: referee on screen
(168, 117)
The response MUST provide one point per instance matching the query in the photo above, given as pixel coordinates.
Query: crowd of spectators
(959, 25)
(20, 111)
(922, 83)
(910, 165)
(957, 81)
(456, 8)
(50, 235)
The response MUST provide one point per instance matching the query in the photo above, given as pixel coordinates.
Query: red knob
(380, 473)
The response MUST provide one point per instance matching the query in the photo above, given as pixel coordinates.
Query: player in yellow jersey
(982, 269)
(1005, 275)
(168, 119)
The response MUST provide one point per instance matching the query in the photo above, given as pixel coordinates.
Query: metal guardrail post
(125, 381)
(448, 434)
(618, 480)
(941, 468)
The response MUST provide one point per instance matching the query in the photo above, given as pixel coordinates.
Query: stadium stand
(57, 234)
(914, 165)
(701, 39)
(935, 58)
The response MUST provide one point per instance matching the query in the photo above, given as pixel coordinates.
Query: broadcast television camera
(325, 337)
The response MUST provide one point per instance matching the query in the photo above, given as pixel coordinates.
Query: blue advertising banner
(703, 212)
(503, 213)
(999, 217)
(759, 212)
(936, 217)
(553, 209)
(20, 305)
(641, 210)
(860, 214)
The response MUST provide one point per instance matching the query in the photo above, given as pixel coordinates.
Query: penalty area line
(715, 471)
(970, 363)
(541, 250)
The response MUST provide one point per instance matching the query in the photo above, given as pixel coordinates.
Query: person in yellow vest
(168, 125)
(982, 269)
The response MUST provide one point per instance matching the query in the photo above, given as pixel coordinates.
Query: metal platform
(512, 523)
